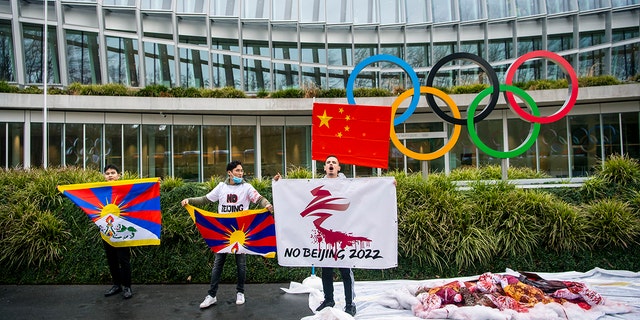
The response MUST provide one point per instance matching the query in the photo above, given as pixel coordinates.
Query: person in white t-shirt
(232, 195)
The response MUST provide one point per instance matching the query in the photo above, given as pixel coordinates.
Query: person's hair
(111, 166)
(331, 156)
(233, 164)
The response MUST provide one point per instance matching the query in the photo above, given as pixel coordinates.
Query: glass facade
(271, 45)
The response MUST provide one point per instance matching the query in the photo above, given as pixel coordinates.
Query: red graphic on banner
(323, 201)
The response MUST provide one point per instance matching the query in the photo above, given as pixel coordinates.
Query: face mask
(237, 180)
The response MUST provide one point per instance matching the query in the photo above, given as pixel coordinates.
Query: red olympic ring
(573, 86)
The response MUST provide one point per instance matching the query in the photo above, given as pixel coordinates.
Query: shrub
(29, 237)
(6, 87)
(296, 172)
(593, 81)
(231, 92)
(154, 90)
(611, 223)
(288, 93)
(32, 90)
(332, 93)
(115, 89)
(471, 88)
(262, 93)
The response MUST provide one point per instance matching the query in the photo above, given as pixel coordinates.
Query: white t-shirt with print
(233, 197)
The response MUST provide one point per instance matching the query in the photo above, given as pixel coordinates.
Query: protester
(233, 195)
(332, 171)
(118, 258)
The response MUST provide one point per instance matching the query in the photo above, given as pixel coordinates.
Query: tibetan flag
(248, 231)
(126, 211)
(356, 134)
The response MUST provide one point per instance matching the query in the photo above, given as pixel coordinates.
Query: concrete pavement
(53, 302)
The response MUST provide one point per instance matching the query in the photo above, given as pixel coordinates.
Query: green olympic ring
(526, 144)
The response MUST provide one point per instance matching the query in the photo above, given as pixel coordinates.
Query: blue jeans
(216, 272)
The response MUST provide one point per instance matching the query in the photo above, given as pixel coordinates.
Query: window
(442, 11)
(122, 61)
(194, 68)
(499, 9)
(32, 48)
(527, 8)
(215, 149)
(243, 143)
(159, 64)
(285, 10)
(186, 152)
(7, 69)
(156, 151)
(226, 71)
(228, 8)
(83, 61)
(558, 6)
(417, 11)
(471, 10)
(272, 155)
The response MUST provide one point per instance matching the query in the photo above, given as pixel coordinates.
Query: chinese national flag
(356, 134)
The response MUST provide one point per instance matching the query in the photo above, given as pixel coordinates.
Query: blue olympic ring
(405, 66)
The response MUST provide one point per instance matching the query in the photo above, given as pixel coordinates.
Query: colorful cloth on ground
(501, 292)
(126, 211)
(248, 231)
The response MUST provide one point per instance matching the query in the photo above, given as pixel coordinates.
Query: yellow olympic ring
(456, 128)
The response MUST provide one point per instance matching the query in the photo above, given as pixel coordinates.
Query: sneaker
(127, 293)
(208, 301)
(326, 303)
(350, 309)
(115, 289)
(240, 298)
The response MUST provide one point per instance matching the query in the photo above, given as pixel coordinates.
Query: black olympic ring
(493, 80)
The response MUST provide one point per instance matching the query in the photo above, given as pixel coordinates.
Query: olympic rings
(456, 129)
(533, 133)
(486, 67)
(404, 65)
(564, 65)
(494, 92)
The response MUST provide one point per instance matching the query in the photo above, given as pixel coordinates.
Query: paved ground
(263, 301)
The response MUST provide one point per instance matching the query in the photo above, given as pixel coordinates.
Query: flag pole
(45, 64)
(313, 163)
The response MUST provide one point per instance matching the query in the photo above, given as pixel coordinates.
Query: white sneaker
(240, 298)
(208, 301)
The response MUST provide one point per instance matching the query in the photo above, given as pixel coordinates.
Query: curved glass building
(267, 45)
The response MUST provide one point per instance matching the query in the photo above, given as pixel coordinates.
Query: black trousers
(347, 281)
(119, 260)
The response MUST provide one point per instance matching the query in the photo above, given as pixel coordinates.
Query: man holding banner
(233, 195)
(336, 223)
(118, 258)
(127, 212)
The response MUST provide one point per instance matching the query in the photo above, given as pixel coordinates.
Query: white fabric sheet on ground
(392, 299)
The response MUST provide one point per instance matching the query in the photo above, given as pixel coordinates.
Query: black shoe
(127, 293)
(326, 303)
(350, 309)
(115, 289)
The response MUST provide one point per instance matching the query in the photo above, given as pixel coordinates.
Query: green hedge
(311, 91)
(443, 231)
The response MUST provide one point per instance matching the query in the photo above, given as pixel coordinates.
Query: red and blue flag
(126, 211)
(248, 231)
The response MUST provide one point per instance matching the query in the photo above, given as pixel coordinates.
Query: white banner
(336, 222)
